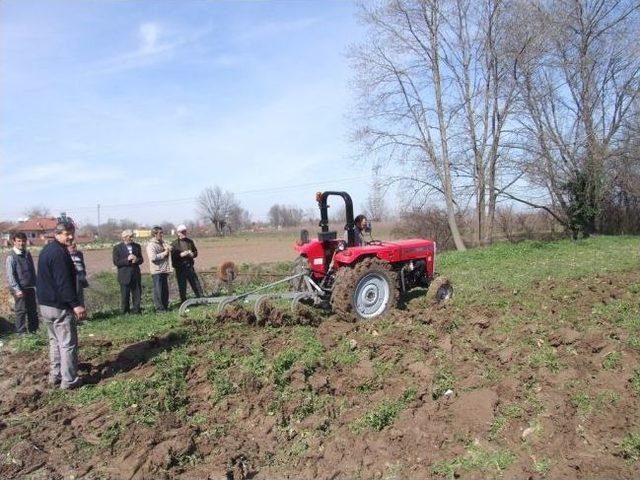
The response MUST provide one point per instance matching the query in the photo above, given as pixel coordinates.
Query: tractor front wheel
(365, 291)
(440, 290)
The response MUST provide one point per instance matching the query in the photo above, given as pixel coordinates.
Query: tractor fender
(352, 256)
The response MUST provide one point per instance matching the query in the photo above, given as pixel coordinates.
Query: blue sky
(129, 103)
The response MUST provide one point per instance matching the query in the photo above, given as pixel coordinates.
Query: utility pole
(98, 220)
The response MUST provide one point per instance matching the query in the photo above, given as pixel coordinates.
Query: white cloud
(156, 43)
(149, 34)
(61, 174)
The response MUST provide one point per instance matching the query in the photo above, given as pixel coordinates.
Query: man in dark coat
(59, 306)
(21, 278)
(127, 256)
(183, 251)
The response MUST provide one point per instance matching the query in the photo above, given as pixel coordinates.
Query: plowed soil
(536, 384)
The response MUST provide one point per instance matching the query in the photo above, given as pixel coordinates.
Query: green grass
(631, 447)
(475, 458)
(545, 356)
(506, 413)
(30, 342)
(611, 361)
(218, 374)
(130, 328)
(384, 414)
(542, 466)
(635, 381)
(514, 267)
(443, 380)
(164, 391)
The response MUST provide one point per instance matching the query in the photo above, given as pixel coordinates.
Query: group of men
(57, 287)
(127, 257)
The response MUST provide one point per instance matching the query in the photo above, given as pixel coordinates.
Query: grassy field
(539, 349)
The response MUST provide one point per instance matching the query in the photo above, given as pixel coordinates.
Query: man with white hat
(183, 251)
(127, 256)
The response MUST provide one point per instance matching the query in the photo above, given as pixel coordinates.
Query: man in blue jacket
(60, 307)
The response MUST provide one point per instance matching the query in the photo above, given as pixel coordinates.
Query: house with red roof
(39, 230)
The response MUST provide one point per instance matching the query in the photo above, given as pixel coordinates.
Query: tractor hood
(400, 250)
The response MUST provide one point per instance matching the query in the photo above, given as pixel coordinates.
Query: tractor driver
(362, 226)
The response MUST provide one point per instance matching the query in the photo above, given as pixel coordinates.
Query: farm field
(246, 247)
(532, 370)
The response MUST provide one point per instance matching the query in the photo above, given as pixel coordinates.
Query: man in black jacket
(59, 306)
(127, 256)
(183, 251)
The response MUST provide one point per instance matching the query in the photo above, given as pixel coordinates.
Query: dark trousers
(26, 311)
(160, 291)
(184, 274)
(131, 290)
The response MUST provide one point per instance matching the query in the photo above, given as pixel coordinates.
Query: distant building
(39, 230)
(5, 232)
(142, 233)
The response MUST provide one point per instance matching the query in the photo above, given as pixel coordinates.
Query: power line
(177, 201)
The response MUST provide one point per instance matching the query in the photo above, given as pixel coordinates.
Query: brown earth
(500, 401)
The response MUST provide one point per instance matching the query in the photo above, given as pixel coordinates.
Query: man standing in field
(60, 307)
(183, 251)
(21, 277)
(127, 256)
(159, 266)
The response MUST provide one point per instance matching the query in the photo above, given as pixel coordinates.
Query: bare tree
(285, 216)
(220, 208)
(375, 208)
(37, 211)
(578, 78)
(435, 92)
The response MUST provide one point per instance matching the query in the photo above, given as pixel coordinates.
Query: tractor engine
(414, 274)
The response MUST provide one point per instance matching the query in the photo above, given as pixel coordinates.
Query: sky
(140, 105)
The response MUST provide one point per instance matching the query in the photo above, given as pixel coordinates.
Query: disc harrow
(261, 295)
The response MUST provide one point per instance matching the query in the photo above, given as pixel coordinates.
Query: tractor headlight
(342, 245)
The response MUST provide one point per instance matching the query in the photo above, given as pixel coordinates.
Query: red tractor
(363, 282)
(357, 282)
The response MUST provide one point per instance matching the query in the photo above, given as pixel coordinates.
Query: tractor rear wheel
(365, 291)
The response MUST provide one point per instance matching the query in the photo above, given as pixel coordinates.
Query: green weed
(343, 355)
(542, 466)
(475, 458)
(218, 375)
(546, 356)
(442, 381)
(506, 413)
(635, 381)
(631, 447)
(384, 414)
(611, 361)
(31, 342)
(583, 404)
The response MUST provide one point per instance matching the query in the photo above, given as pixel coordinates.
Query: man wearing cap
(127, 256)
(183, 251)
(59, 306)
